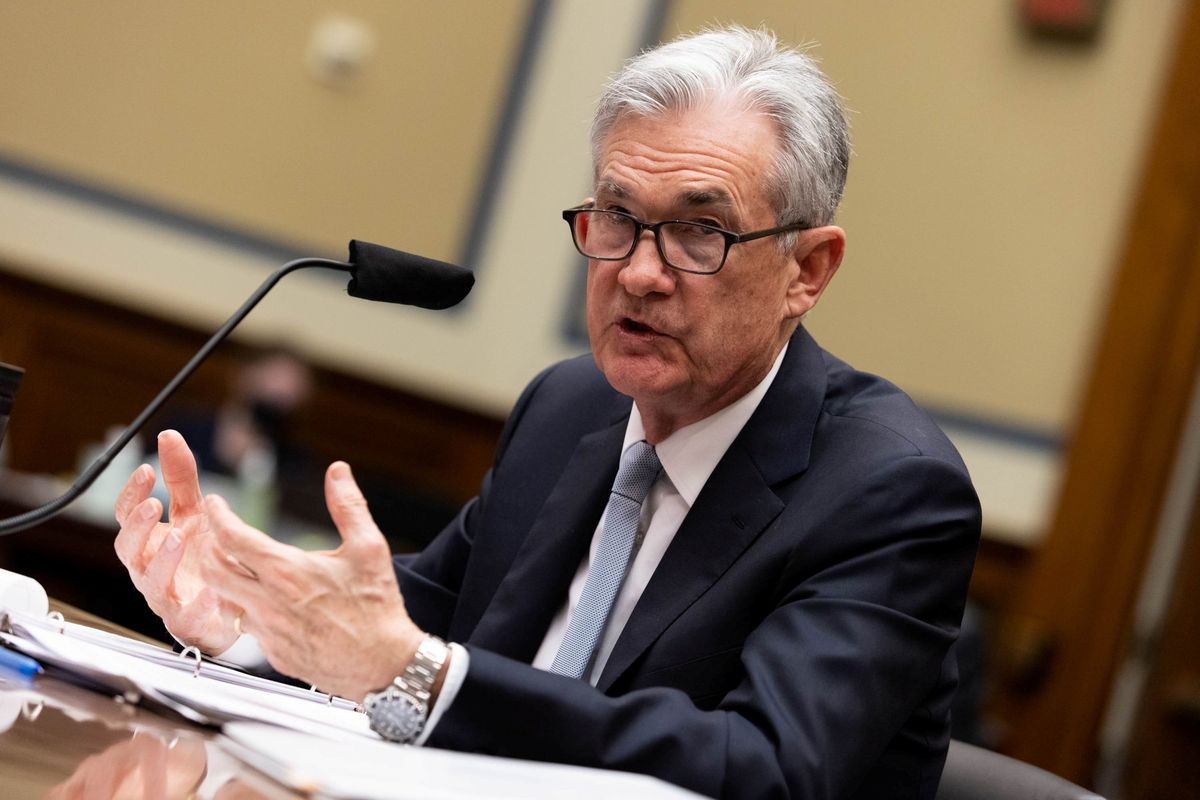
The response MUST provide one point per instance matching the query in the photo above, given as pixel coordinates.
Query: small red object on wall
(1077, 20)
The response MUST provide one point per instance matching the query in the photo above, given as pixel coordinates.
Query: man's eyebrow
(706, 197)
(713, 198)
(611, 188)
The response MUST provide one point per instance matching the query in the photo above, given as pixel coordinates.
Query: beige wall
(208, 107)
(478, 356)
(987, 193)
(986, 199)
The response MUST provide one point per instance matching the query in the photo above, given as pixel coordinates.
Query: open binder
(186, 685)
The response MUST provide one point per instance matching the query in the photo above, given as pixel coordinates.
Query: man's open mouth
(633, 326)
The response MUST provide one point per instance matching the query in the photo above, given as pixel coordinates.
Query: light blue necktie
(639, 468)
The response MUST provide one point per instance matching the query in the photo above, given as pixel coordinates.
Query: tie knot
(639, 468)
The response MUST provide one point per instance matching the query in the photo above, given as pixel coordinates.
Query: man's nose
(646, 273)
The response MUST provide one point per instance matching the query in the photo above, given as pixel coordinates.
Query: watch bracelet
(421, 672)
(412, 688)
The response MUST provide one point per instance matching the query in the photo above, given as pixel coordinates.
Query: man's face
(682, 345)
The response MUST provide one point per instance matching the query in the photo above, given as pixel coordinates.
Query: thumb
(348, 507)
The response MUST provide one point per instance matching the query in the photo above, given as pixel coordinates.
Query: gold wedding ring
(237, 623)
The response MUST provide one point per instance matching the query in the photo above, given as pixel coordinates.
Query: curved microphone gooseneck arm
(43, 513)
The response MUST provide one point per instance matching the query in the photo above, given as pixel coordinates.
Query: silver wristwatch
(398, 713)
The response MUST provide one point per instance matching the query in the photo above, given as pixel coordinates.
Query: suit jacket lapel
(718, 528)
(736, 504)
(516, 620)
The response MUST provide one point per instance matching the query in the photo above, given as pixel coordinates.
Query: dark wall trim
(505, 134)
(1025, 436)
(142, 209)
(652, 28)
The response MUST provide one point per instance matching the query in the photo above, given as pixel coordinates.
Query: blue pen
(17, 665)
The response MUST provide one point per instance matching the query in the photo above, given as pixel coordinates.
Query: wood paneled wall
(90, 365)
(1074, 616)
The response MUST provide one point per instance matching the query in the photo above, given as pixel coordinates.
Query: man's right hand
(164, 559)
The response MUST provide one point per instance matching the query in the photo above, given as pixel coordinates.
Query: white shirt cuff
(455, 674)
(245, 653)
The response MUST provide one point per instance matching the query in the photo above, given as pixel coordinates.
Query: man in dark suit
(710, 551)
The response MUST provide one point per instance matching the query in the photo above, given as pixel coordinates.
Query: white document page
(377, 770)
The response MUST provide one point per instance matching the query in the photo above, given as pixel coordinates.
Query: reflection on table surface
(58, 740)
(61, 741)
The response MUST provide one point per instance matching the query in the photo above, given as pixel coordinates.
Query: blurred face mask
(270, 418)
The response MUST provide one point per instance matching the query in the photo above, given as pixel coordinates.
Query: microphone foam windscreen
(392, 276)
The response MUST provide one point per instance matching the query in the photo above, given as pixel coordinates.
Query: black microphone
(381, 273)
(376, 273)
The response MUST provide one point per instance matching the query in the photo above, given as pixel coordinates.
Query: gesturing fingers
(179, 473)
(161, 566)
(136, 532)
(348, 509)
(136, 489)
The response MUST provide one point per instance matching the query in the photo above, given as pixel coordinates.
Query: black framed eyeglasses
(686, 246)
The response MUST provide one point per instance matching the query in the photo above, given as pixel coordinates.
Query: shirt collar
(690, 454)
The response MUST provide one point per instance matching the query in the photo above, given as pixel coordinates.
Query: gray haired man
(710, 551)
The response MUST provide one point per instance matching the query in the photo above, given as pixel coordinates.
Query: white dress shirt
(688, 457)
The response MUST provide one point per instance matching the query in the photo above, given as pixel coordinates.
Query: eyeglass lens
(608, 235)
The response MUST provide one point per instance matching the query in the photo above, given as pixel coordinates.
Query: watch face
(396, 716)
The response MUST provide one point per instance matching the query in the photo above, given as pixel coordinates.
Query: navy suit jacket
(795, 641)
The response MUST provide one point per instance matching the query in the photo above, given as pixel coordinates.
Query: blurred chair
(973, 773)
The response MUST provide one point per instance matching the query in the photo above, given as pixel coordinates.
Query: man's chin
(641, 377)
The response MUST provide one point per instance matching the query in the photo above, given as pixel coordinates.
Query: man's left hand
(335, 619)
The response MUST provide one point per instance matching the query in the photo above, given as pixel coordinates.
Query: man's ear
(818, 254)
